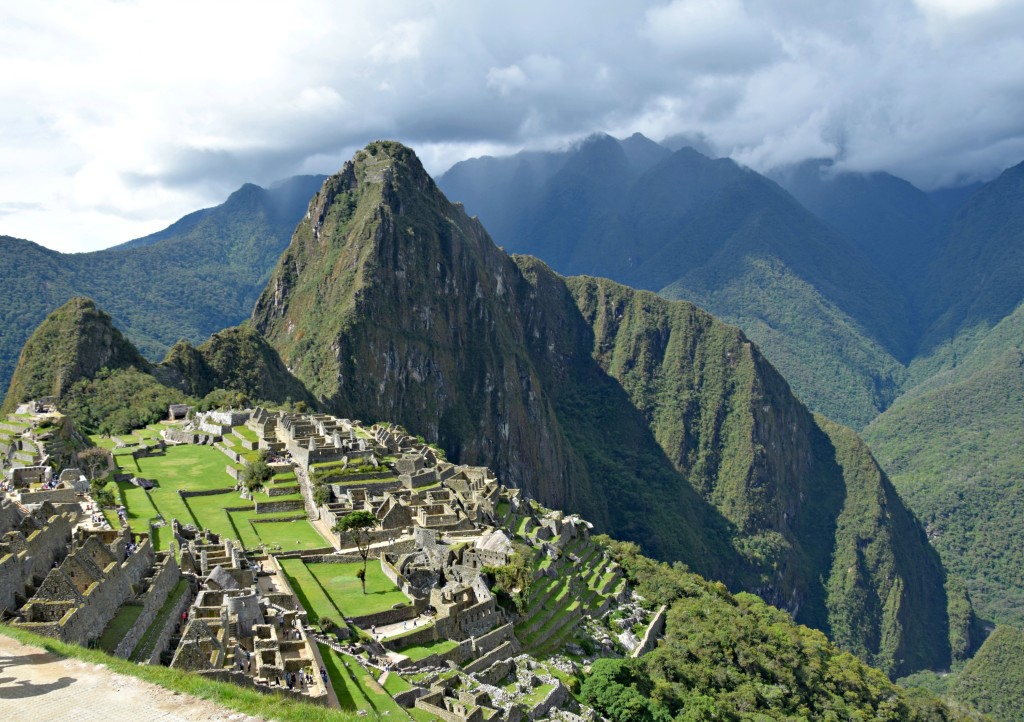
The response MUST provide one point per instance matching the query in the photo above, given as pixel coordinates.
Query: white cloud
(116, 118)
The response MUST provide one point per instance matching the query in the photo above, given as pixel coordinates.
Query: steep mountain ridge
(722, 236)
(79, 357)
(392, 303)
(952, 446)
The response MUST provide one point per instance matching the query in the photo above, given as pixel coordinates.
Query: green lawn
(343, 587)
(197, 468)
(290, 535)
(119, 626)
(246, 433)
(422, 651)
(311, 595)
(356, 688)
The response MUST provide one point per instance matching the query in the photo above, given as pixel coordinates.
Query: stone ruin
(245, 625)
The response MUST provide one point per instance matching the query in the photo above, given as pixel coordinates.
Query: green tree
(322, 494)
(257, 473)
(358, 527)
(95, 462)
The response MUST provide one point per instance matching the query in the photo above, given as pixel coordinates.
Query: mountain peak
(73, 342)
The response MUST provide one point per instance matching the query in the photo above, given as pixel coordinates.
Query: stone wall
(555, 698)
(184, 494)
(654, 630)
(243, 680)
(434, 704)
(164, 639)
(54, 496)
(276, 507)
(164, 580)
(390, 616)
(31, 558)
(496, 672)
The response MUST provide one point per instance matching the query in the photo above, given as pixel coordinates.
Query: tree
(358, 527)
(322, 495)
(257, 473)
(95, 462)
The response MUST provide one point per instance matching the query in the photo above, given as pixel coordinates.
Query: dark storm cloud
(932, 90)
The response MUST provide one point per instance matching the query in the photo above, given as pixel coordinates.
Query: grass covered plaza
(204, 468)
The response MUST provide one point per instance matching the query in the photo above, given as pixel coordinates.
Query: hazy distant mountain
(722, 236)
(894, 223)
(194, 278)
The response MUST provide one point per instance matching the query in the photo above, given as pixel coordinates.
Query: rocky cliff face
(658, 422)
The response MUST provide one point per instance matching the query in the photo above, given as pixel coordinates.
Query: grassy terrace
(422, 651)
(144, 648)
(119, 626)
(333, 589)
(202, 468)
(356, 688)
(247, 701)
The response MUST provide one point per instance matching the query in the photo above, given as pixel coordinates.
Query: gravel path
(36, 685)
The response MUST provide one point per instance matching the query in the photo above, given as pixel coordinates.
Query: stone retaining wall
(654, 630)
(184, 494)
(165, 579)
(272, 507)
(164, 640)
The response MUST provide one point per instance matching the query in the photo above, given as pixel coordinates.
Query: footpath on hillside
(36, 685)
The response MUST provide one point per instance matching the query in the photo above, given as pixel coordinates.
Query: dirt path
(36, 685)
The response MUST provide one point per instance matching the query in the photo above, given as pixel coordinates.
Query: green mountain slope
(74, 342)
(731, 657)
(106, 386)
(977, 278)
(194, 278)
(784, 479)
(724, 237)
(650, 417)
(953, 449)
(993, 681)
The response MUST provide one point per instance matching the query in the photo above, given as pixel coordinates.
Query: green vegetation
(202, 468)
(993, 681)
(732, 657)
(72, 343)
(955, 455)
(144, 649)
(417, 652)
(650, 418)
(257, 473)
(356, 688)
(355, 596)
(196, 277)
(336, 590)
(240, 699)
(119, 626)
(357, 527)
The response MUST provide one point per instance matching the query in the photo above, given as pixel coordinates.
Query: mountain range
(863, 290)
(657, 421)
(196, 277)
(652, 417)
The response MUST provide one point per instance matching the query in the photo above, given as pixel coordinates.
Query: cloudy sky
(116, 118)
